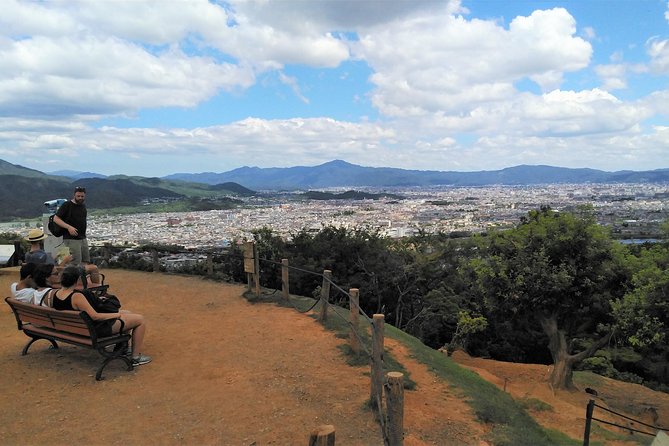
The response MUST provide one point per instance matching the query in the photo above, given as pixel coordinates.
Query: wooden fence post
(354, 306)
(375, 396)
(256, 266)
(588, 421)
(210, 264)
(395, 402)
(285, 284)
(249, 262)
(156, 261)
(323, 435)
(325, 295)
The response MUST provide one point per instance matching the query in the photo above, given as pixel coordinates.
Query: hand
(73, 231)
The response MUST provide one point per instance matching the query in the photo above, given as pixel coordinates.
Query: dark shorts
(104, 328)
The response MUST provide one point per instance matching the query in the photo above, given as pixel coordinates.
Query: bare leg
(136, 323)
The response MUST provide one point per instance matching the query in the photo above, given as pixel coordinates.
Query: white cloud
(612, 76)
(446, 63)
(93, 76)
(659, 53)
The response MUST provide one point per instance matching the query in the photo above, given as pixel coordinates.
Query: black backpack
(54, 229)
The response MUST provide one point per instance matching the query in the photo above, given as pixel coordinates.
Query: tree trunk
(563, 362)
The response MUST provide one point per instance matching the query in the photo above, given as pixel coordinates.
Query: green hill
(23, 193)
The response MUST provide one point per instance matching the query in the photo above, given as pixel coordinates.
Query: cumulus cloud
(659, 53)
(450, 64)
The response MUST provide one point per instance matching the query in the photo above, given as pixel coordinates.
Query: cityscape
(631, 211)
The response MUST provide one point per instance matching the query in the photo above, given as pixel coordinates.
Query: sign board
(249, 266)
(249, 263)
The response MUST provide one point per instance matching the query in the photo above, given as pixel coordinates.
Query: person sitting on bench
(24, 289)
(69, 298)
(38, 256)
(46, 279)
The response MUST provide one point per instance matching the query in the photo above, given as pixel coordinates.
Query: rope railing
(392, 432)
(589, 417)
(392, 435)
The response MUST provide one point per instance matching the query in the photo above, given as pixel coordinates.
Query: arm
(71, 229)
(80, 303)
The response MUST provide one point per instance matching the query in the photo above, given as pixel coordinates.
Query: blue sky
(152, 88)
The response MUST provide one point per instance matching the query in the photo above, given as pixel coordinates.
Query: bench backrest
(68, 321)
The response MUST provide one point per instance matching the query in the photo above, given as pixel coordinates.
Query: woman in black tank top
(68, 298)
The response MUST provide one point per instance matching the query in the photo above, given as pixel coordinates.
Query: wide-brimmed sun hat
(35, 235)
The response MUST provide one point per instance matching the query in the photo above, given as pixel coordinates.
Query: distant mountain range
(23, 191)
(75, 175)
(348, 195)
(342, 174)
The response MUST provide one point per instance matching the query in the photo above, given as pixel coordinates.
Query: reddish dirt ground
(228, 372)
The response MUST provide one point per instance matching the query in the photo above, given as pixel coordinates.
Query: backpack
(54, 229)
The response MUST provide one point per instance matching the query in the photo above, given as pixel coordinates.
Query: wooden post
(395, 399)
(323, 435)
(588, 421)
(285, 284)
(256, 267)
(325, 295)
(249, 263)
(210, 264)
(354, 302)
(156, 261)
(377, 360)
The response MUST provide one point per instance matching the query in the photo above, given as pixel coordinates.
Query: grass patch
(534, 405)
(510, 422)
(511, 425)
(608, 436)
(588, 379)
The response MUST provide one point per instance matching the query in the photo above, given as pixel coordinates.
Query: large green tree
(557, 271)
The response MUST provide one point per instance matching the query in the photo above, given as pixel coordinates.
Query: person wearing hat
(37, 255)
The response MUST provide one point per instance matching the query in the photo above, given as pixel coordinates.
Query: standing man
(71, 216)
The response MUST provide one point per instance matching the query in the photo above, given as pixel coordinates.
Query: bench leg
(32, 340)
(108, 359)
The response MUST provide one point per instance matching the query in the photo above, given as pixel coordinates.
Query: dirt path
(227, 372)
(224, 372)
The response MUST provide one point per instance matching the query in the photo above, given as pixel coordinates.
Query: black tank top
(64, 304)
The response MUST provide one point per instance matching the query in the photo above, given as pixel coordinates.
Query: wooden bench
(72, 327)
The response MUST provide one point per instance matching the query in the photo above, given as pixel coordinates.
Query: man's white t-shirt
(24, 294)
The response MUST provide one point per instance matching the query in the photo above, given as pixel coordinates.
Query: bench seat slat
(78, 339)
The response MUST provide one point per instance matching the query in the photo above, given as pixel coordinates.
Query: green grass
(510, 423)
(534, 405)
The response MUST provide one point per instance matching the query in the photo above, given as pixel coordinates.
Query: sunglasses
(80, 189)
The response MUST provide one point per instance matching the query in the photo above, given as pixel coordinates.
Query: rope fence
(589, 418)
(386, 396)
